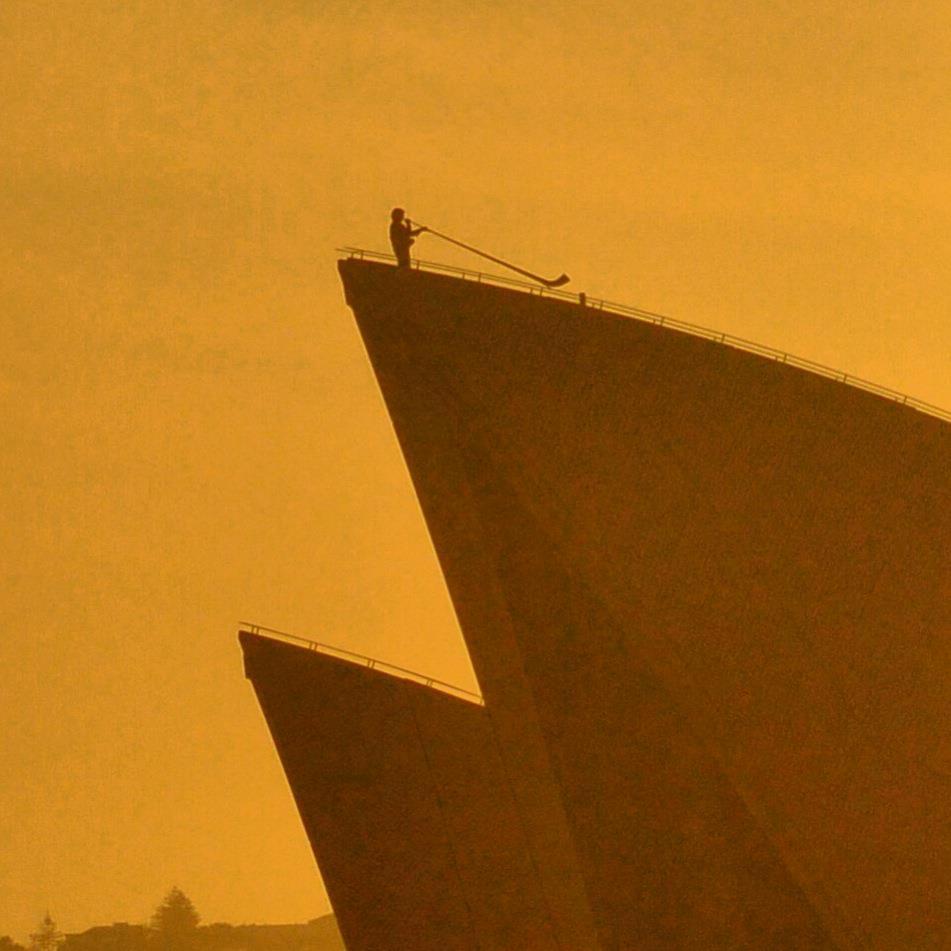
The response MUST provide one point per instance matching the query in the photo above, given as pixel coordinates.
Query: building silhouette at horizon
(706, 594)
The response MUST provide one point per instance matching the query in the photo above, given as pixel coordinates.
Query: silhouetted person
(401, 236)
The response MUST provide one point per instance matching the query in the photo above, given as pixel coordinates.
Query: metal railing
(342, 654)
(662, 320)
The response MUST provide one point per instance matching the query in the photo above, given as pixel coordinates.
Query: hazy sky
(192, 435)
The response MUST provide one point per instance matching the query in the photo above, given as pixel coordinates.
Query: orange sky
(192, 434)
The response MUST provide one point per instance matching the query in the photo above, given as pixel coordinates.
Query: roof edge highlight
(661, 320)
(361, 660)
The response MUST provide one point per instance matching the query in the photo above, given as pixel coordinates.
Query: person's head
(397, 214)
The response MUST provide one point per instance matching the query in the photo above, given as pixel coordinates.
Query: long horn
(557, 282)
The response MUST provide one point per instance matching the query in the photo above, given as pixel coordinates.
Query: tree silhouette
(46, 937)
(175, 922)
(8, 944)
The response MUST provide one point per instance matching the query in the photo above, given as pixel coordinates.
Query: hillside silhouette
(320, 934)
(174, 926)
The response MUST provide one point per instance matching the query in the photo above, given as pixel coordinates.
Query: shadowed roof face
(723, 585)
(406, 803)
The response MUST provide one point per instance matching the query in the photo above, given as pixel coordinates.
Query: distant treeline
(321, 934)
(175, 927)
